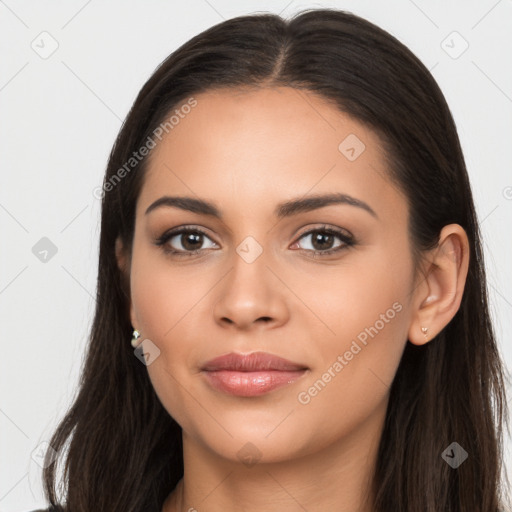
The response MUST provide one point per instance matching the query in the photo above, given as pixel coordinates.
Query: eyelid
(183, 228)
(326, 227)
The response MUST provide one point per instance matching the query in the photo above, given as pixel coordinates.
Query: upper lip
(254, 361)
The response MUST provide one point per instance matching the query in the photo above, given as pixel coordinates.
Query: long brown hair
(122, 451)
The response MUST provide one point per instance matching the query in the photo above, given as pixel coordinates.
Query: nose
(250, 296)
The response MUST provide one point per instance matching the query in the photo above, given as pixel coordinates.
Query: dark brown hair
(123, 450)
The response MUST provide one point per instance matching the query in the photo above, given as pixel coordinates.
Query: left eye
(322, 240)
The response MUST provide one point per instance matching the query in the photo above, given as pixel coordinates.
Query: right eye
(183, 241)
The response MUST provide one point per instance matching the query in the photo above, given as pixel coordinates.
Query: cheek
(369, 332)
(169, 307)
(367, 313)
(162, 294)
(357, 365)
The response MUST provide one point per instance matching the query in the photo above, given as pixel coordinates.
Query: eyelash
(347, 239)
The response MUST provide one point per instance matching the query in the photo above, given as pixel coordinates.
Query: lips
(251, 362)
(252, 374)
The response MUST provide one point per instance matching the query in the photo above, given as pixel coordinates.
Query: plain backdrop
(69, 72)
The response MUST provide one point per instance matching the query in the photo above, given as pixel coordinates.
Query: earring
(136, 336)
(424, 330)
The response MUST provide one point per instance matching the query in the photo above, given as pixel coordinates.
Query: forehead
(250, 148)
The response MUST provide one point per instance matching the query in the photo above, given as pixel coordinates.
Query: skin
(246, 151)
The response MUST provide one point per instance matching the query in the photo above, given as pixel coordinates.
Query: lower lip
(251, 383)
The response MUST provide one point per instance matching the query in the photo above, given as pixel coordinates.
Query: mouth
(252, 374)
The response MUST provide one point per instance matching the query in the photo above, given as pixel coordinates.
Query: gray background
(61, 112)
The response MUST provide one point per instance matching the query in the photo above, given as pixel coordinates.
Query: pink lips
(252, 374)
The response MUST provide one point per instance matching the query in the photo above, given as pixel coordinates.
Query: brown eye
(325, 241)
(184, 241)
(190, 241)
(322, 241)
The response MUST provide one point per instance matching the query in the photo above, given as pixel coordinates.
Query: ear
(124, 263)
(438, 297)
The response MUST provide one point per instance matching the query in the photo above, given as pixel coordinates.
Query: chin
(264, 441)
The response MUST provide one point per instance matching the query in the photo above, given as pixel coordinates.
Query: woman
(289, 239)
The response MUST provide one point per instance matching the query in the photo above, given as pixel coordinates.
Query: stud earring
(135, 339)
(424, 330)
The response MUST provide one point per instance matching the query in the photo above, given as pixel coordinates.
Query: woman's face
(256, 285)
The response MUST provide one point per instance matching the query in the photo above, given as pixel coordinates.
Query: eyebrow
(285, 209)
